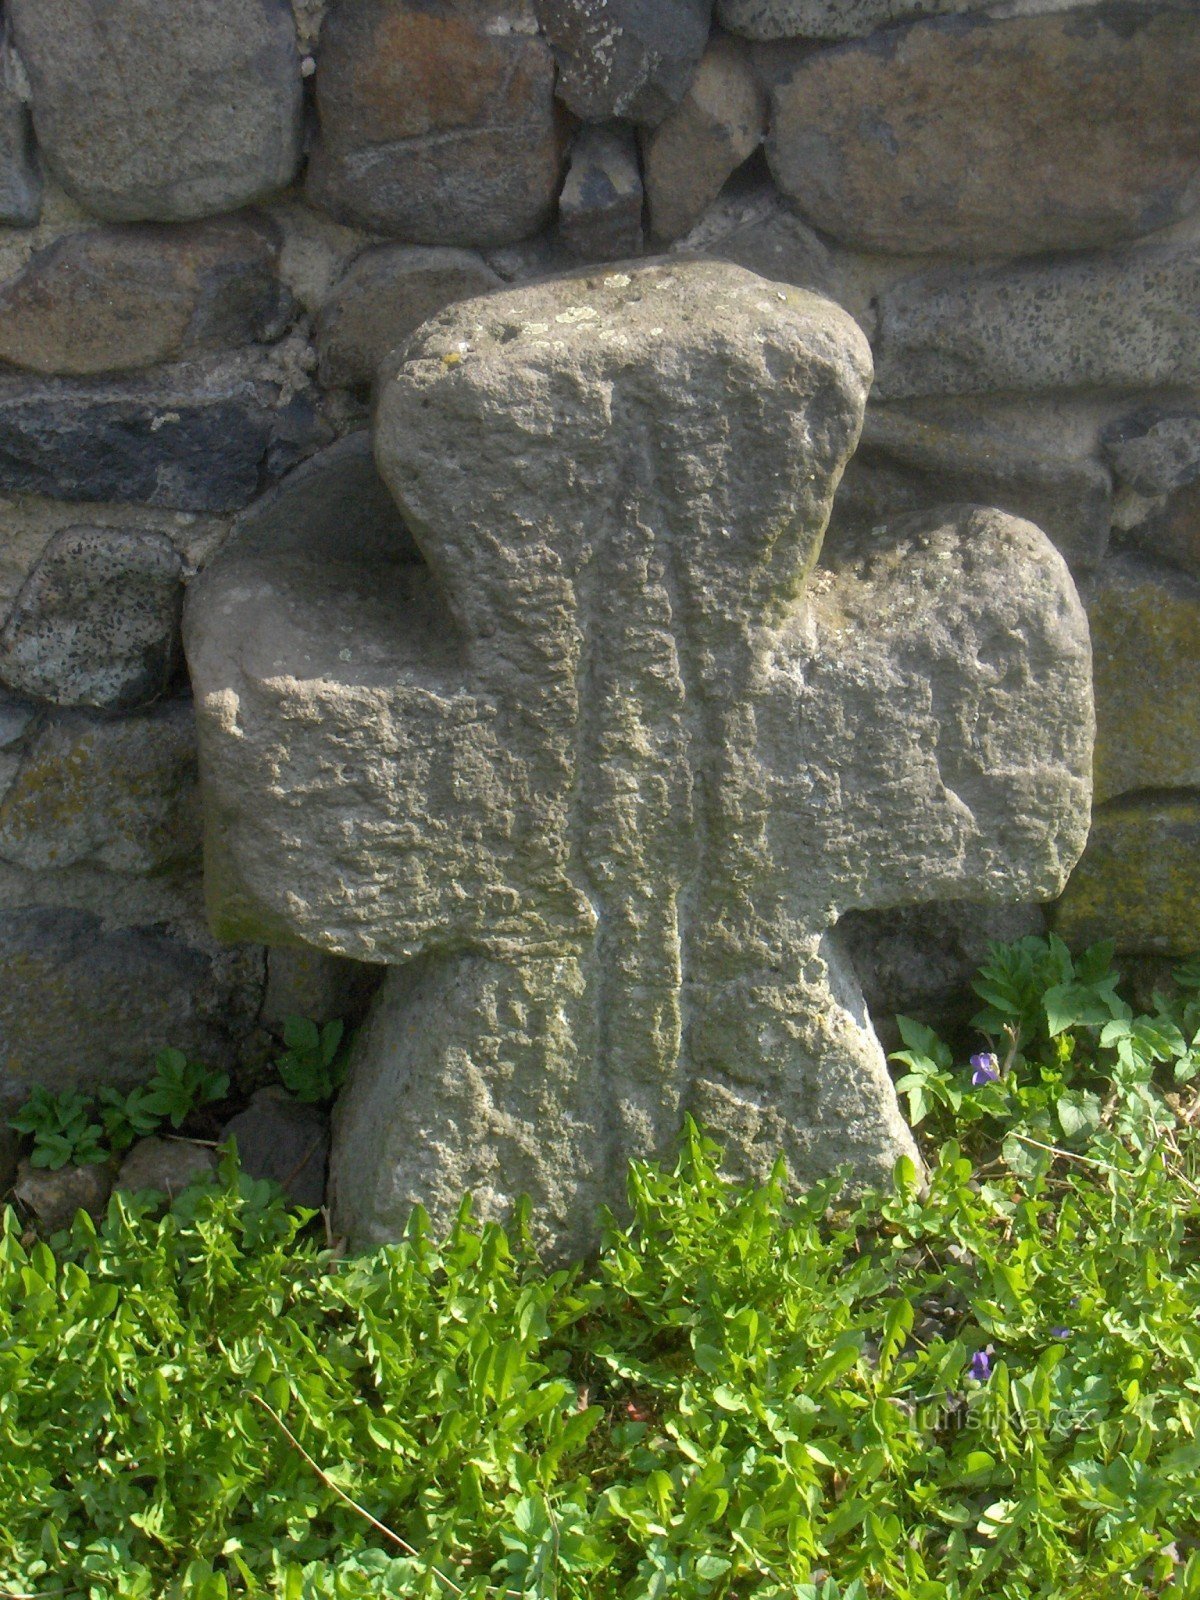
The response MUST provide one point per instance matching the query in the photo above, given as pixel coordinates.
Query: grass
(986, 1386)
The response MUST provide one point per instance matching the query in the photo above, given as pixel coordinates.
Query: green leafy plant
(61, 1128)
(313, 1066)
(127, 1117)
(980, 1384)
(180, 1086)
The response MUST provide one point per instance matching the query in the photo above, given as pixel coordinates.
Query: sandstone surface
(334, 510)
(153, 112)
(97, 621)
(997, 137)
(438, 123)
(916, 458)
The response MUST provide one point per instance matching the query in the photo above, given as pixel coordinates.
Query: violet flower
(981, 1365)
(987, 1068)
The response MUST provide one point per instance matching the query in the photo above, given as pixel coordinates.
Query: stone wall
(216, 220)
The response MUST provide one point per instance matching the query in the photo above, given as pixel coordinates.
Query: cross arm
(926, 720)
(361, 795)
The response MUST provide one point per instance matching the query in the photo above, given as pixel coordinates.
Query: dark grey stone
(153, 111)
(82, 1004)
(600, 208)
(10, 1145)
(161, 443)
(96, 622)
(280, 1139)
(625, 58)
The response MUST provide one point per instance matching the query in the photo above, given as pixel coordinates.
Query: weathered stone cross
(598, 780)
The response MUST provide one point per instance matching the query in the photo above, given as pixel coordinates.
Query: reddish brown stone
(118, 298)
(966, 134)
(438, 123)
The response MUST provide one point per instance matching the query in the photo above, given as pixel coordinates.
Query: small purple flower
(981, 1365)
(1060, 1333)
(987, 1068)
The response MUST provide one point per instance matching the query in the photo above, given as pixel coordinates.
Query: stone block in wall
(852, 19)
(1155, 454)
(1174, 534)
(384, 295)
(302, 982)
(55, 1197)
(84, 1004)
(1154, 450)
(624, 58)
(718, 124)
(28, 524)
(15, 717)
(192, 437)
(20, 170)
(1138, 881)
(756, 230)
(153, 111)
(90, 791)
(438, 123)
(97, 621)
(1145, 624)
(600, 207)
(993, 136)
(1105, 320)
(112, 299)
(1033, 462)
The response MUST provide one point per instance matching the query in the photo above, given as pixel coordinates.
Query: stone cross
(597, 780)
